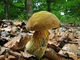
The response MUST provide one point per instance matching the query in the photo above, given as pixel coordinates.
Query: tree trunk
(48, 5)
(6, 8)
(29, 7)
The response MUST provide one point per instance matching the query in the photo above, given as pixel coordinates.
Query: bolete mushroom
(40, 22)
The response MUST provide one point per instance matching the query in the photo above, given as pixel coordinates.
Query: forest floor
(63, 42)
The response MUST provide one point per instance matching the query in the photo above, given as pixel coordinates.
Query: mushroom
(40, 22)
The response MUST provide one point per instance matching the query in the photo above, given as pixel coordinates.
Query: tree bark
(29, 7)
(6, 8)
(48, 5)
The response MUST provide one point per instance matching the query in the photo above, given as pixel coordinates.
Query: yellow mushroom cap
(42, 20)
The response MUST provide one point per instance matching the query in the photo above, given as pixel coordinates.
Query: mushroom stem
(38, 44)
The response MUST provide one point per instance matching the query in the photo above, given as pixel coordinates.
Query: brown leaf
(2, 57)
(21, 55)
(54, 56)
(51, 36)
(20, 58)
(17, 22)
(2, 49)
(72, 55)
(27, 55)
(14, 53)
(54, 47)
(78, 59)
(7, 28)
(13, 42)
(10, 57)
(70, 48)
(18, 42)
(13, 29)
(45, 59)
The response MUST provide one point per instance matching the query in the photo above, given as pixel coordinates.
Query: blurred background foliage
(68, 11)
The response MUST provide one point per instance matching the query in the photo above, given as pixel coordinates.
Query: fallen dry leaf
(2, 57)
(18, 42)
(72, 55)
(27, 55)
(64, 41)
(71, 48)
(2, 49)
(45, 59)
(54, 56)
(11, 57)
(13, 42)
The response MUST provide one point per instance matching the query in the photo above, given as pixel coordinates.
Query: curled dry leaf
(27, 55)
(20, 55)
(2, 49)
(54, 47)
(14, 53)
(11, 57)
(17, 23)
(51, 36)
(78, 40)
(57, 35)
(13, 29)
(2, 57)
(18, 42)
(45, 59)
(54, 56)
(72, 55)
(70, 48)
(7, 28)
(13, 42)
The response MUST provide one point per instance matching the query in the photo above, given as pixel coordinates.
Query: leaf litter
(63, 42)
